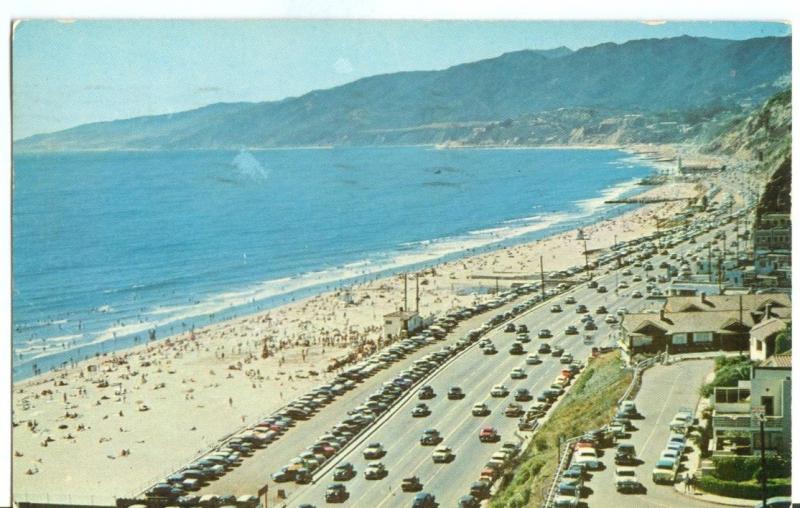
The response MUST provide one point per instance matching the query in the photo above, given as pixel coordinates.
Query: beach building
(401, 322)
(767, 392)
(763, 336)
(686, 323)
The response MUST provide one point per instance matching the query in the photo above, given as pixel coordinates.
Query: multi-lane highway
(476, 373)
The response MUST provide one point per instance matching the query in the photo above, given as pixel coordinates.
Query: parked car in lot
(588, 457)
(480, 489)
(568, 495)
(467, 501)
(665, 471)
(626, 482)
(682, 421)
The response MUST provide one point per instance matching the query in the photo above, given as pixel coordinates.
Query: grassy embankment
(590, 403)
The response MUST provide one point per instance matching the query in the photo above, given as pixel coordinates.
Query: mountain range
(649, 78)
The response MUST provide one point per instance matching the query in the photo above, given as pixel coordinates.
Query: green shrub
(727, 372)
(740, 469)
(744, 490)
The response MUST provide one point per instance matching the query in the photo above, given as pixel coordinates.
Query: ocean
(108, 246)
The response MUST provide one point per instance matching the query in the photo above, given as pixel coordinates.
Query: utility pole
(761, 418)
(541, 271)
(417, 307)
(709, 262)
(585, 255)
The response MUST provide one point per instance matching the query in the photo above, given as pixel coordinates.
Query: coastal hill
(605, 93)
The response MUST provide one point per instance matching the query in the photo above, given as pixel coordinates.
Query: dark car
(420, 410)
(467, 502)
(480, 489)
(516, 349)
(455, 393)
(426, 392)
(344, 472)
(510, 327)
(557, 351)
(589, 326)
(544, 333)
(522, 395)
(336, 493)
(430, 437)
(544, 348)
(284, 475)
(424, 500)
(581, 309)
(571, 330)
(411, 484)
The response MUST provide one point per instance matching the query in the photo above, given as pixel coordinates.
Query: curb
(718, 500)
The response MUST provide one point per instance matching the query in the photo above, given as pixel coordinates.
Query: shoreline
(197, 387)
(102, 346)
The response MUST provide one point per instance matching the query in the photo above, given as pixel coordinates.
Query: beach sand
(113, 425)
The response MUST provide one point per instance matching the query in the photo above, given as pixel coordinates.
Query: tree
(783, 342)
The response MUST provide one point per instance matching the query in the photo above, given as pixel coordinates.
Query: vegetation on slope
(589, 404)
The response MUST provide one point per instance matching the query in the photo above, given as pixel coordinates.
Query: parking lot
(665, 390)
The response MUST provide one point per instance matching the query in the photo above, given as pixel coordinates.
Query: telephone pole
(541, 271)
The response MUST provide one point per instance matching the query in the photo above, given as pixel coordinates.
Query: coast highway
(476, 373)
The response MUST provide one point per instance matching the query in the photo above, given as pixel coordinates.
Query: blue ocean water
(107, 246)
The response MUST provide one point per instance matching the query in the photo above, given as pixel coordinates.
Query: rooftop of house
(779, 360)
(767, 328)
(403, 314)
(757, 302)
(718, 321)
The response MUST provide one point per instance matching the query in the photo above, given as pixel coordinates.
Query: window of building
(769, 405)
(759, 346)
(679, 338)
(703, 336)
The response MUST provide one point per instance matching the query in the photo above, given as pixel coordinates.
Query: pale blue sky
(66, 74)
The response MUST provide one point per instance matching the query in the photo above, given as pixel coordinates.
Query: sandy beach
(114, 424)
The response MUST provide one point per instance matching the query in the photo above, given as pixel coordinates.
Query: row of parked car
(668, 464)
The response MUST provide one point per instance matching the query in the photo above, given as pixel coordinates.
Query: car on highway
(375, 471)
(467, 501)
(625, 480)
(420, 411)
(480, 409)
(637, 278)
(602, 289)
(571, 330)
(336, 493)
(489, 350)
(581, 309)
(518, 373)
(622, 285)
(557, 351)
(498, 391)
(544, 349)
(514, 410)
(665, 471)
(622, 311)
(627, 272)
(636, 294)
(443, 455)
(374, 451)
(455, 393)
(610, 319)
(424, 500)
(544, 333)
(589, 326)
(523, 337)
(533, 359)
(430, 437)
(344, 472)
(555, 308)
(566, 358)
(488, 435)
(570, 300)
(411, 484)
(592, 284)
(426, 392)
(516, 349)
(522, 395)
(480, 489)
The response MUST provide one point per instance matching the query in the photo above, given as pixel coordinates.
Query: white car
(669, 453)
(499, 391)
(625, 479)
(588, 457)
(442, 454)
(533, 359)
